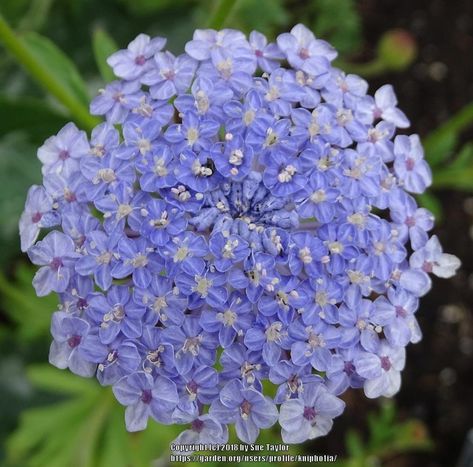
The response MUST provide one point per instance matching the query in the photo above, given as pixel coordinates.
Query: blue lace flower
(242, 217)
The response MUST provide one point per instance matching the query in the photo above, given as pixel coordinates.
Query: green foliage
(440, 144)
(387, 438)
(262, 15)
(85, 430)
(31, 314)
(32, 116)
(52, 69)
(64, 71)
(104, 46)
(339, 23)
(85, 425)
(19, 169)
(146, 7)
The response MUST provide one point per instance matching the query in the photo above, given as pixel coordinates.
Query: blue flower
(409, 164)
(239, 362)
(291, 379)
(161, 222)
(230, 320)
(116, 313)
(242, 214)
(305, 52)
(100, 258)
(114, 360)
(133, 62)
(69, 333)
(309, 416)
(145, 397)
(163, 301)
(193, 346)
(204, 429)
(137, 258)
(63, 150)
(381, 370)
(170, 76)
(56, 255)
(38, 214)
(117, 100)
(246, 407)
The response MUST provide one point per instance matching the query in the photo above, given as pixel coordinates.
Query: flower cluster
(243, 215)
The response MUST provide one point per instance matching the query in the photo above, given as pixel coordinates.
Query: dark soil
(437, 381)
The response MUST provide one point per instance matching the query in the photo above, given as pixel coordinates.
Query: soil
(437, 381)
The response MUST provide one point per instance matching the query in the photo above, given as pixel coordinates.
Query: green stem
(44, 76)
(221, 13)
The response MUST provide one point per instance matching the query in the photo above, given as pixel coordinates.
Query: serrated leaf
(104, 46)
(53, 59)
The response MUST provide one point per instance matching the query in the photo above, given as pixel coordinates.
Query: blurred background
(50, 418)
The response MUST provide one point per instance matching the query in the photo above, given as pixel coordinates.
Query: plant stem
(221, 13)
(44, 76)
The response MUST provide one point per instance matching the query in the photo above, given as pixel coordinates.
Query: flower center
(385, 363)
(74, 341)
(140, 60)
(228, 318)
(64, 154)
(197, 425)
(309, 413)
(245, 409)
(146, 396)
(56, 263)
(36, 217)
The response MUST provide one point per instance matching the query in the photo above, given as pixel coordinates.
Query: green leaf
(464, 158)
(354, 445)
(30, 313)
(146, 7)
(441, 142)
(454, 178)
(51, 379)
(339, 23)
(114, 449)
(439, 147)
(104, 46)
(48, 65)
(46, 425)
(36, 16)
(33, 116)
(261, 15)
(53, 59)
